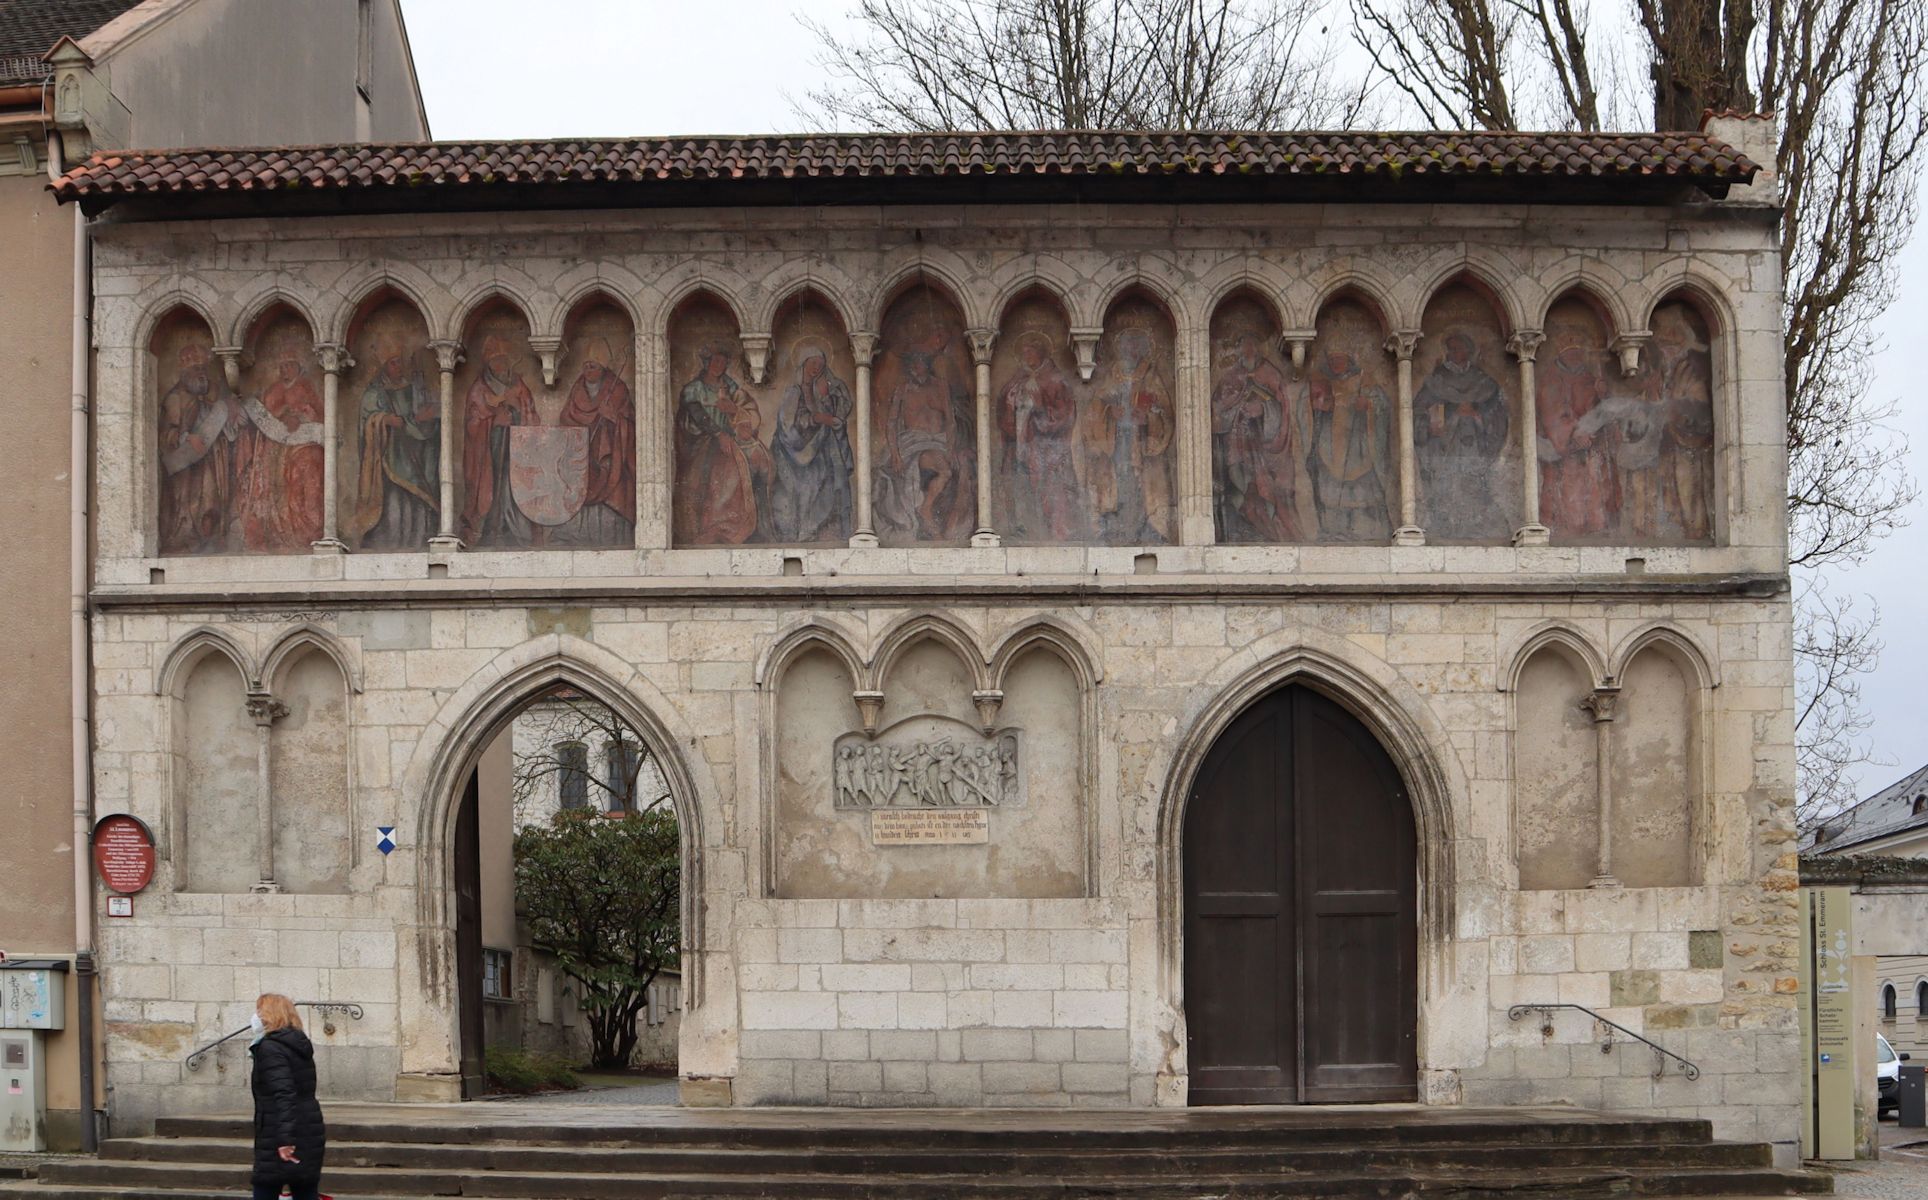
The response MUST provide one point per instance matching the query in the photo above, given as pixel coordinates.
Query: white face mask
(255, 1027)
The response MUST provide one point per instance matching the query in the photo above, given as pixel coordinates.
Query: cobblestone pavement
(653, 1091)
(1893, 1178)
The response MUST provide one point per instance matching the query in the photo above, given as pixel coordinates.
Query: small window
(1921, 999)
(496, 974)
(620, 763)
(364, 47)
(1888, 1004)
(572, 769)
(1921, 804)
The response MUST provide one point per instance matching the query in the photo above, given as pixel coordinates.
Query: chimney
(1758, 136)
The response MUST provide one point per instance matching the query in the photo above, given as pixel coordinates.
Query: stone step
(1057, 1162)
(160, 1181)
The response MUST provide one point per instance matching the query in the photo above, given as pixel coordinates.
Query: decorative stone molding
(1084, 341)
(1629, 346)
(547, 349)
(756, 351)
(1298, 343)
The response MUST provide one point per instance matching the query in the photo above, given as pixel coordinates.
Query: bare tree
(577, 745)
(927, 65)
(1846, 80)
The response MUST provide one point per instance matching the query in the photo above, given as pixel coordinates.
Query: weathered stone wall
(1063, 999)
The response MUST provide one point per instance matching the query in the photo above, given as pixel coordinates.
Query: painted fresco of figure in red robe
(280, 469)
(498, 401)
(600, 402)
(198, 428)
(1579, 493)
(723, 469)
(1253, 444)
(1038, 415)
(1686, 366)
(1126, 432)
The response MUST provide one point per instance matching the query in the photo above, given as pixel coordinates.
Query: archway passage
(1301, 912)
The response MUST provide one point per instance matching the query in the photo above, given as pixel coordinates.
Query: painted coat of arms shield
(549, 471)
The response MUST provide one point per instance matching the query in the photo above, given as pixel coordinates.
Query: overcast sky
(562, 68)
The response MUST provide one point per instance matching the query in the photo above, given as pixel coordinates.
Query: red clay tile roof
(1687, 158)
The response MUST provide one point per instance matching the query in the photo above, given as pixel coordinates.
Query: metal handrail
(1686, 1068)
(327, 1009)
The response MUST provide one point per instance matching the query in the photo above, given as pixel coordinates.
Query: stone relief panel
(196, 435)
(308, 777)
(1654, 789)
(924, 422)
(391, 430)
(1577, 373)
(1466, 412)
(280, 469)
(1127, 426)
(1555, 760)
(216, 779)
(811, 398)
(1021, 783)
(1035, 393)
(723, 465)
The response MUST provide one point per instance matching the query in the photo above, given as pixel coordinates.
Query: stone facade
(794, 994)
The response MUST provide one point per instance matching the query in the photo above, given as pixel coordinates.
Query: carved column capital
(1628, 346)
(1602, 704)
(230, 357)
(333, 357)
(982, 341)
(870, 707)
(1084, 341)
(863, 346)
(988, 704)
(547, 348)
(1298, 343)
(1525, 344)
(447, 354)
(265, 709)
(756, 352)
(1402, 343)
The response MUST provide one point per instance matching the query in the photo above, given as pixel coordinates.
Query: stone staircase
(587, 1152)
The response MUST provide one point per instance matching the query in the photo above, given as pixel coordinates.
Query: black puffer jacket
(286, 1112)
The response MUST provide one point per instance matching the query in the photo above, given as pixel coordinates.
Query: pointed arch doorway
(1301, 912)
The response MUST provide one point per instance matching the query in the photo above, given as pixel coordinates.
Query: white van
(1887, 1076)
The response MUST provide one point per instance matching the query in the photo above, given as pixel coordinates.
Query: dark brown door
(1301, 951)
(468, 938)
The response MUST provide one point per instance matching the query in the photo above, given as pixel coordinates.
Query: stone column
(863, 348)
(265, 710)
(1525, 346)
(447, 355)
(1192, 453)
(655, 426)
(1401, 345)
(334, 359)
(1603, 704)
(982, 341)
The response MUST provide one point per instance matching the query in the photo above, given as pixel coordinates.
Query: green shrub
(522, 1072)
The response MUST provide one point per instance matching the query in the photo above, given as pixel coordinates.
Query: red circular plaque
(123, 853)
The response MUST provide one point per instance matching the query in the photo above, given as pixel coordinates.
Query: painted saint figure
(498, 401)
(1253, 443)
(400, 484)
(1460, 425)
(1126, 433)
(1578, 492)
(600, 403)
(198, 428)
(810, 500)
(723, 469)
(927, 487)
(1347, 460)
(1037, 414)
(279, 467)
(1686, 368)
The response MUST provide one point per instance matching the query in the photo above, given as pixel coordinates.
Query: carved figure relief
(391, 431)
(1466, 408)
(1127, 425)
(923, 764)
(924, 418)
(1035, 393)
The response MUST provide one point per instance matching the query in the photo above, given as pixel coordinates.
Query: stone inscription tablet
(930, 826)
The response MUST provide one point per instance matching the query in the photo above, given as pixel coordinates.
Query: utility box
(33, 998)
(1914, 1097)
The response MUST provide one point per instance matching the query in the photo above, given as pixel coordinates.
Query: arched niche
(1655, 769)
(1672, 502)
(280, 463)
(216, 775)
(810, 397)
(723, 466)
(500, 393)
(596, 372)
(1579, 390)
(1555, 771)
(197, 426)
(1035, 392)
(389, 467)
(923, 420)
(1348, 426)
(1257, 418)
(1466, 414)
(308, 774)
(1128, 425)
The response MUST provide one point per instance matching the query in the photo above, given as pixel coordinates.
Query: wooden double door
(1301, 916)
